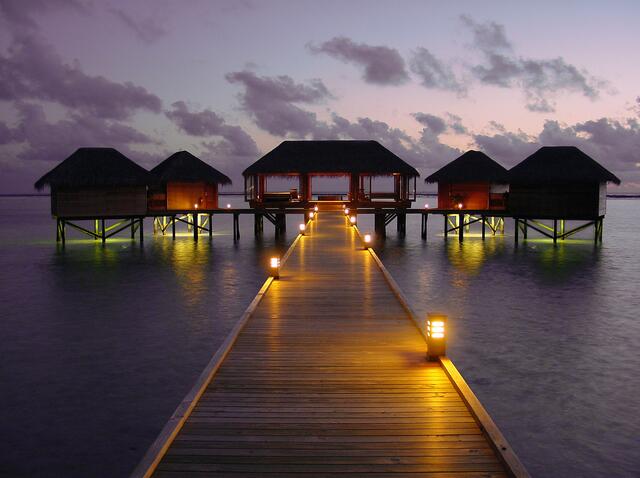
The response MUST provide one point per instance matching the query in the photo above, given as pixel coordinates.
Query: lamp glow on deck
(436, 336)
(367, 240)
(275, 267)
(353, 220)
(302, 228)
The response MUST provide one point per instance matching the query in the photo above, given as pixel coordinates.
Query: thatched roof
(330, 157)
(95, 167)
(185, 167)
(472, 166)
(560, 165)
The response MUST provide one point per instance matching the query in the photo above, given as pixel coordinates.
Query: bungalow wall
(570, 201)
(181, 196)
(472, 195)
(99, 202)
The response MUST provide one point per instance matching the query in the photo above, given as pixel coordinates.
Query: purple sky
(229, 80)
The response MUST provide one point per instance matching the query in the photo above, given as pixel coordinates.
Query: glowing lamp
(315, 208)
(195, 206)
(346, 211)
(367, 240)
(311, 213)
(343, 206)
(353, 220)
(426, 206)
(302, 228)
(436, 336)
(228, 206)
(275, 267)
(459, 205)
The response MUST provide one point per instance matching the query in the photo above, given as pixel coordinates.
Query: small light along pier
(329, 373)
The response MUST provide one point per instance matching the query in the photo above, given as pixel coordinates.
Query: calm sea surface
(99, 344)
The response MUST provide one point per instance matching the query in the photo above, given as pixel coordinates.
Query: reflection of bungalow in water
(473, 181)
(184, 182)
(95, 183)
(359, 161)
(559, 182)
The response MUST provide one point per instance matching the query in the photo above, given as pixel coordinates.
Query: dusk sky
(228, 81)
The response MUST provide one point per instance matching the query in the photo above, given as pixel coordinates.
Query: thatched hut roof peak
(560, 165)
(331, 157)
(95, 167)
(472, 166)
(185, 167)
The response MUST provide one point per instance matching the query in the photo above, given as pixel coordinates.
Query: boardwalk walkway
(329, 378)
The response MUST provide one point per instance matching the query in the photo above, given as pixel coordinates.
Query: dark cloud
(615, 144)
(33, 70)
(236, 142)
(42, 140)
(272, 102)
(538, 79)
(18, 14)
(435, 124)
(147, 30)
(382, 65)
(434, 73)
(455, 123)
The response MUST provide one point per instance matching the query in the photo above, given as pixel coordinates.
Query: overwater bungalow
(559, 182)
(184, 182)
(96, 183)
(361, 162)
(472, 181)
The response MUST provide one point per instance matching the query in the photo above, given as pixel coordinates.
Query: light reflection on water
(99, 343)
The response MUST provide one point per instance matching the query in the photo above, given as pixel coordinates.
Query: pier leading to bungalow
(326, 375)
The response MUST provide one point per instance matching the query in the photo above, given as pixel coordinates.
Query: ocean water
(98, 344)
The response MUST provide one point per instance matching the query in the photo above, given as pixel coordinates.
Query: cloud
(435, 124)
(147, 30)
(614, 143)
(382, 65)
(539, 79)
(33, 70)
(455, 124)
(51, 142)
(235, 143)
(18, 14)
(272, 102)
(434, 73)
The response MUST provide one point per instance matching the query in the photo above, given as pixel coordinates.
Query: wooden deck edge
(500, 444)
(147, 466)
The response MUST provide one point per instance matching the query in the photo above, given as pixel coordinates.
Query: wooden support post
(133, 229)
(379, 224)
(195, 226)
(555, 231)
(483, 226)
(103, 233)
(236, 226)
(460, 227)
(210, 226)
(525, 229)
(63, 231)
(446, 226)
(58, 230)
(423, 226)
(516, 229)
(258, 224)
(173, 227)
(141, 227)
(401, 219)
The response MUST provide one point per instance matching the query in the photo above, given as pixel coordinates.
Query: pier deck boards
(328, 378)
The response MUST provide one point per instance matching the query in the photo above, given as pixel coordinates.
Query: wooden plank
(329, 378)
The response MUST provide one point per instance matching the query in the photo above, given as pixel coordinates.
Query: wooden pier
(325, 375)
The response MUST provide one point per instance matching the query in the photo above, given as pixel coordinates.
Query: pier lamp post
(315, 208)
(275, 267)
(436, 336)
(346, 211)
(367, 241)
(311, 215)
(353, 220)
(302, 228)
